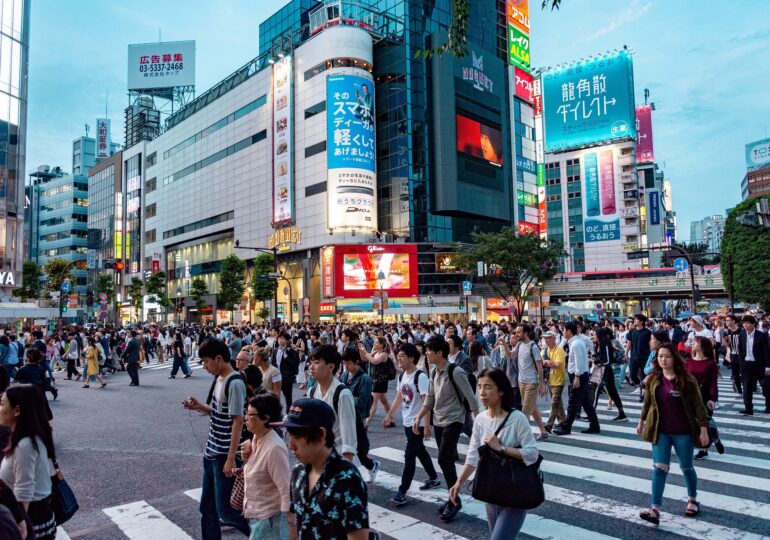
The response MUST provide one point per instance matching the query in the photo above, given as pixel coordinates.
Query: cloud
(633, 12)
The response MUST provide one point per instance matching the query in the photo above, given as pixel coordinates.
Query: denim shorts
(272, 528)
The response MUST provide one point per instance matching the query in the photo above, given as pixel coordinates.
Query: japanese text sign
(161, 65)
(644, 149)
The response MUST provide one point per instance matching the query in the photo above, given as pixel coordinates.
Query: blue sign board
(589, 102)
(350, 106)
(681, 264)
(654, 208)
(601, 231)
(525, 164)
(66, 286)
(467, 285)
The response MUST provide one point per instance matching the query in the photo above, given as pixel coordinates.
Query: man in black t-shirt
(734, 331)
(638, 349)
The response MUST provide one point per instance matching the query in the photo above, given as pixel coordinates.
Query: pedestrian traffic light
(462, 305)
(294, 307)
(64, 308)
(119, 266)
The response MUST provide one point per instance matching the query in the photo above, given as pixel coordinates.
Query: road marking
(194, 493)
(61, 534)
(403, 527)
(140, 521)
(733, 419)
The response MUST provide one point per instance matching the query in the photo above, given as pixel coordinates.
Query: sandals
(651, 516)
(692, 513)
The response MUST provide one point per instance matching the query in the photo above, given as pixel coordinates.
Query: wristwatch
(503, 449)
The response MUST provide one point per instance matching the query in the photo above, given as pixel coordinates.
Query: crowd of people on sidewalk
(486, 381)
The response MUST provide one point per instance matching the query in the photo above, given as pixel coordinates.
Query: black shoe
(590, 430)
(720, 446)
(451, 511)
(746, 412)
(187, 376)
(701, 454)
(620, 418)
(430, 484)
(443, 507)
(549, 429)
(558, 430)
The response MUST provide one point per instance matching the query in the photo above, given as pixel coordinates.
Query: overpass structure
(668, 287)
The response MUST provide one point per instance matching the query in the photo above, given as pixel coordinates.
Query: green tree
(156, 289)
(30, 278)
(263, 313)
(515, 263)
(55, 274)
(199, 289)
(748, 245)
(231, 282)
(136, 292)
(263, 286)
(698, 253)
(105, 283)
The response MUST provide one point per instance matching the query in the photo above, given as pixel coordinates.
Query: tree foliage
(136, 292)
(263, 287)
(231, 282)
(30, 279)
(748, 245)
(199, 289)
(56, 274)
(156, 289)
(263, 313)
(698, 254)
(515, 263)
(105, 283)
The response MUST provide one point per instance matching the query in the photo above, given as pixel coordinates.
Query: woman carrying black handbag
(503, 449)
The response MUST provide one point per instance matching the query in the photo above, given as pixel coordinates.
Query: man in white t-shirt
(698, 328)
(410, 392)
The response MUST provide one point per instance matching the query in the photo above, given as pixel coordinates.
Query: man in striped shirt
(227, 400)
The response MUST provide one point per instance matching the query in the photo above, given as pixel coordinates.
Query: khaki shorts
(528, 398)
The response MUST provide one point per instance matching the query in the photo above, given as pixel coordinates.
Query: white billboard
(283, 185)
(103, 139)
(161, 65)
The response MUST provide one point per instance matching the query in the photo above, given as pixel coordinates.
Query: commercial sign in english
(758, 155)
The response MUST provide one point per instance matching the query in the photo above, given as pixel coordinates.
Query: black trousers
(609, 383)
(636, 370)
(735, 367)
(133, 371)
(446, 438)
(71, 369)
(287, 386)
(415, 449)
(580, 397)
(750, 376)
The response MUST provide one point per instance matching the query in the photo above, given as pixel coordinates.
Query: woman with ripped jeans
(673, 415)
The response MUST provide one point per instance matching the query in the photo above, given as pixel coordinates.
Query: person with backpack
(360, 385)
(72, 356)
(458, 357)
(449, 397)
(530, 372)
(411, 390)
(15, 354)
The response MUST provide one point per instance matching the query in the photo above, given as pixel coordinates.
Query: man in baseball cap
(328, 495)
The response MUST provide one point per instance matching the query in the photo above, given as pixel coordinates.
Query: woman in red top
(703, 366)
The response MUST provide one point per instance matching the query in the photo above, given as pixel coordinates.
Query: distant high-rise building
(708, 231)
(756, 181)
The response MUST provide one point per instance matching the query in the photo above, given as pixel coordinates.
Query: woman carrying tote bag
(505, 431)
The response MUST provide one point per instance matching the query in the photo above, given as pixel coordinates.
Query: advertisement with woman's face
(479, 140)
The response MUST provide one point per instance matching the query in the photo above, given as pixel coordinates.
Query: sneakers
(399, 499)
(720, 446)
(620, 418)
(558, 430)
(542, 437)
(746, 412)
(374, 471)
(430, 484)
(701, 454)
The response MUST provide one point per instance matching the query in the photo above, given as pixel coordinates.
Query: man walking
(638, 348)
(754, 351)
(530, 369)
(131, 358)
(554, 358)
(734, 332)
(286, 359)
(577, 367)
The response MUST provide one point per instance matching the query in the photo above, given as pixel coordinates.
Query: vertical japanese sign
(654, 207)
(283, 171)
(524, 84)
(327, 271)
(589, 102)
(644, 148)
(352, 181)
(601, 219)
(537, 97)
(103, 139)
(518, 34)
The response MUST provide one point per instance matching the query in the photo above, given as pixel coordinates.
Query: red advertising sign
(326, 308)
(327, 271)
(528, 228)
(524, 85)
(479, 140)
(155, 266)
(644, 148)
(360, 270)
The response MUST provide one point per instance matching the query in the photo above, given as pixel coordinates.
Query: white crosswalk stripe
(140, 521)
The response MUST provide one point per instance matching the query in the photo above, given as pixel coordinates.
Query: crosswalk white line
(605, 414)
(61, 534)
(403, 527)
(734, 418)
(690, 528)
(140, 521)
(534, 525)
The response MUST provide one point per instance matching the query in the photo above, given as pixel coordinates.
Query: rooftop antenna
(159, 39)
(87, 128)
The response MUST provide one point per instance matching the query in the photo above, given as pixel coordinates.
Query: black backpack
(471, 377)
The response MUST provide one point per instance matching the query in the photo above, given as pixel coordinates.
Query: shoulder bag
(63, 501)
(506, 481)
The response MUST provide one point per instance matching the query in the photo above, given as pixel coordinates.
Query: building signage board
(283, 128)
(475, 75)
(601, 217)
(363, 270)
(161, 65)
(352, 179)
(518, 48)
(645, 152)
(446, 263)
(103, 138)
(282, 238)
(758, 155)
(589, 102)
(524, 84)
(654, 210)
(528, 228)
(526, 198)
(327, 271)
(518, 14)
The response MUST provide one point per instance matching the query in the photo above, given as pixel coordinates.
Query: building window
(151, 185)
(150, 211)
(315, 109)
(221, 218)
(315, 189)
(149, 236)
(335, 63)
(152, 159)
(314, 149)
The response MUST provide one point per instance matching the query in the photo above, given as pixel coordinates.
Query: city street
(133, 457)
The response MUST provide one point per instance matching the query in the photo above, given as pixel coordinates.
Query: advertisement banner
(589, 102)
(283, 170)
(518, 14)
(103, 139)
(446, 263)
(528, 228)
(758, 154)
(644, 148)
(361, 270)
(327, 271)
(526, 198)
(352, 180)
(161, 65)
(524, 83)
(518, 48)
(601, 219)
(327, 308)
(654, 210)
(479, 140)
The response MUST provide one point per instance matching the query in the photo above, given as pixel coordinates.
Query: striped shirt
(223, 409)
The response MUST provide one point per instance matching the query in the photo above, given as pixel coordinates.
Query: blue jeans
(504, 523)
(215, 501)
(272, 528)
(661, 455)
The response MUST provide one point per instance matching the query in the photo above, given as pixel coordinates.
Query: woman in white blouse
(515, 440)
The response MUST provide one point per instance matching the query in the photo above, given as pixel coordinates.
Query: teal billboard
(589, 102)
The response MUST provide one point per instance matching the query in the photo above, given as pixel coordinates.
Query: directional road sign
(66, 286)
(681, 264)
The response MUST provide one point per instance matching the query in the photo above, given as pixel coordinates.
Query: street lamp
(178, 308)
(381, 281)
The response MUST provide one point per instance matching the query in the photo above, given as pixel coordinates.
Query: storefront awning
(21, 310)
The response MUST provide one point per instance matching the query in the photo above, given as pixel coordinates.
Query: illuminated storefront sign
(283, 171)
(282, 238)
(327, 271)
(446, 263)
(360, 270)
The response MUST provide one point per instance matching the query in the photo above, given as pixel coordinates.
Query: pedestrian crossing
(595, 487)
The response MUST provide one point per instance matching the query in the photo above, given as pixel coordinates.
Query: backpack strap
(336, 399)
(463, 401)
(500, 428)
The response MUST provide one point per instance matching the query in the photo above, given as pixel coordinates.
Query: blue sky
(705, 63)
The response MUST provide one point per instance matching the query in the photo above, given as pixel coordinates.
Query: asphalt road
(136, 451)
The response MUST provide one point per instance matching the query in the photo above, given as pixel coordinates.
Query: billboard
(327, 271)
(758, 154)
(602, 191)
(654, 205)
(350, 151)
(518, 14)
(644, 148)
(589, 102)
(161, 65)
(479, 140)
(103, 139)
(518, 48)
(358, 269)
(524, 84)
(283, 172)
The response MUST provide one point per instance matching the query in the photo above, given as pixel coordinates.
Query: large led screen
(479, 140)
(362, 269)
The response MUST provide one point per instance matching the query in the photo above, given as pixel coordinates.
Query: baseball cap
(698, 319)
(550, 333)
(308, 412)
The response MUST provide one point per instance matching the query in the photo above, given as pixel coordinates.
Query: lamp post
(274, 253)
(381, 281)
(178, 307)
(542, 309)
(430, 303)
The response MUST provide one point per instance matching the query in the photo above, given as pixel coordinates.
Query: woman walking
(26, 467)
(603, 356)
(378, 359)
(179, 358)
(92, 364)
(704, 367)
(673, 415)
(514, 440)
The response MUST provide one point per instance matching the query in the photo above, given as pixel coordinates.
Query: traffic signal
(462, 305)
(119, 266)
(294, 307)
(64, 308)
(110, 264)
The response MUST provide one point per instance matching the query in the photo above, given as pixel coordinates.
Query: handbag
(63, 501)
(597, 375)
(236, 495)
(390, 369)
(506, 481)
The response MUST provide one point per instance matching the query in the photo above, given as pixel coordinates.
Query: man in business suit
(754, 353)
(675, 333)
(131, 358)
(286, 359)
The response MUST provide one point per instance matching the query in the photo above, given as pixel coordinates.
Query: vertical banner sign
(327, 271)
(518, 48)
(654, 207)
(537, 97)
(601, 217)
(103, 139)
(591, 163)
(608, 184)
(518, 14)
(644, 148)
(352, 180)
(283, 182)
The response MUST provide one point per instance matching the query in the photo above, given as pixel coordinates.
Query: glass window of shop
(133, 192)
(200, 260)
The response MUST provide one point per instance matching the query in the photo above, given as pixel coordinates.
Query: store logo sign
(476, 75)
(372, 249)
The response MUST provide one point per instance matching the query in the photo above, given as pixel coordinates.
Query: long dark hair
(503, 384)
(476, 350)
(680, 369)
(706, 348)
(32, 421)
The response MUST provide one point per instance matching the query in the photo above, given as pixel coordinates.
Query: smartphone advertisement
(602, 222)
